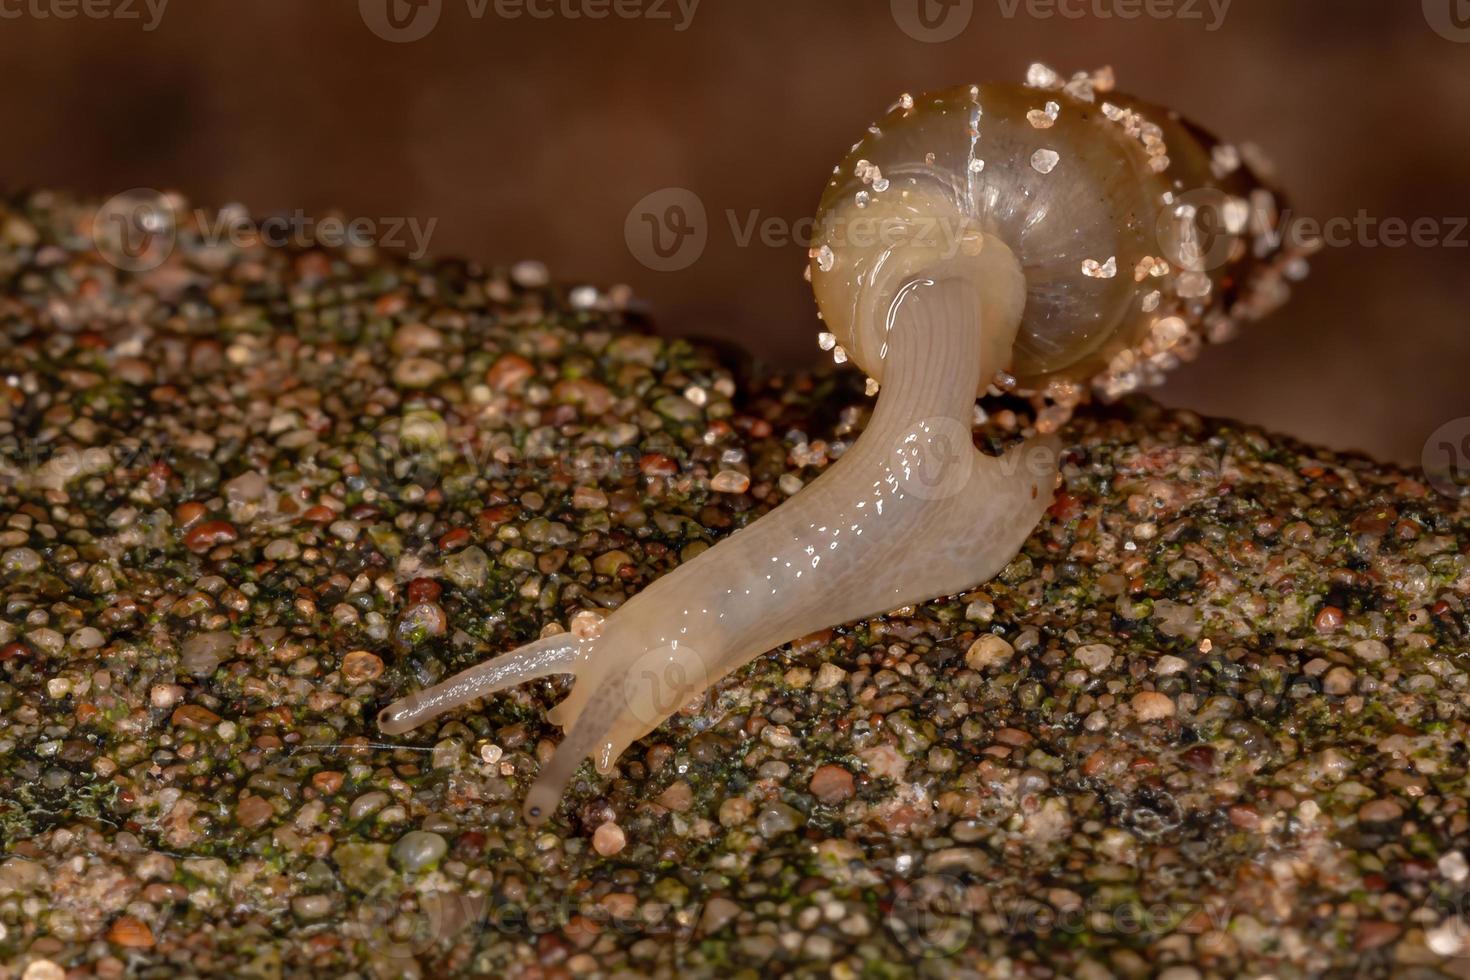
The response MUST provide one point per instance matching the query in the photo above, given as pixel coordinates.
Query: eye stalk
(1021, 236)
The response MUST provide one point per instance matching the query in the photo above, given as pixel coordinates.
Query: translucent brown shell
(1139, 234)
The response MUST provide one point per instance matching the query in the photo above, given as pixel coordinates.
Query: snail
(1047, 240)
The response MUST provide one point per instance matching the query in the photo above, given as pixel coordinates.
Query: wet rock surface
(1211, 721)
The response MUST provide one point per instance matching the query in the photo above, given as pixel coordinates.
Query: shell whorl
(1138, 235)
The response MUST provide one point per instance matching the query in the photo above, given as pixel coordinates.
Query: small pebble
(1152, 706)
(418, 849)
(831, 784)
(988, 651)
(608, 839)
(1095, 656)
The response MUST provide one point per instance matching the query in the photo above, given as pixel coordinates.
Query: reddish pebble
(1373, 933)
(130, 931)
(1329, 619)
(657, 464)
(209, 534)
(831, 784)
(253, 812)
(194, 716)
(187, 514)
(1065, 507)
(509, 373)
(327, 782)
(454, 540)
(424, 590)
(493, 517)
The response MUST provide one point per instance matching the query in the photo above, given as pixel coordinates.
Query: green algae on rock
(1211, 720)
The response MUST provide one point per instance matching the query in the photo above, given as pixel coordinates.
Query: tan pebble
(829, 675)
(416, 338)
(1151, 706)
(1339, 680)
(1380, 811)
(1096, 657)
(729, 481)
(361, 666)
(678, 797)
(1168, 665)
(589, 498)
(609, 839)
(718, 912)
(735, 811)
(987, 651)
(417, 372)
(586, 623)
(1372, 651)
(509, 372)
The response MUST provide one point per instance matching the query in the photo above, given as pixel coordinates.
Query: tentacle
(589, 734)
(556, 654)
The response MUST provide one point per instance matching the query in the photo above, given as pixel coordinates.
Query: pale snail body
(969, 284)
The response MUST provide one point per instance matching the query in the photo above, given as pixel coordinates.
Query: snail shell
(1114, 233)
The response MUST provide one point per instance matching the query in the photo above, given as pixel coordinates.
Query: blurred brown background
(531, 136)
